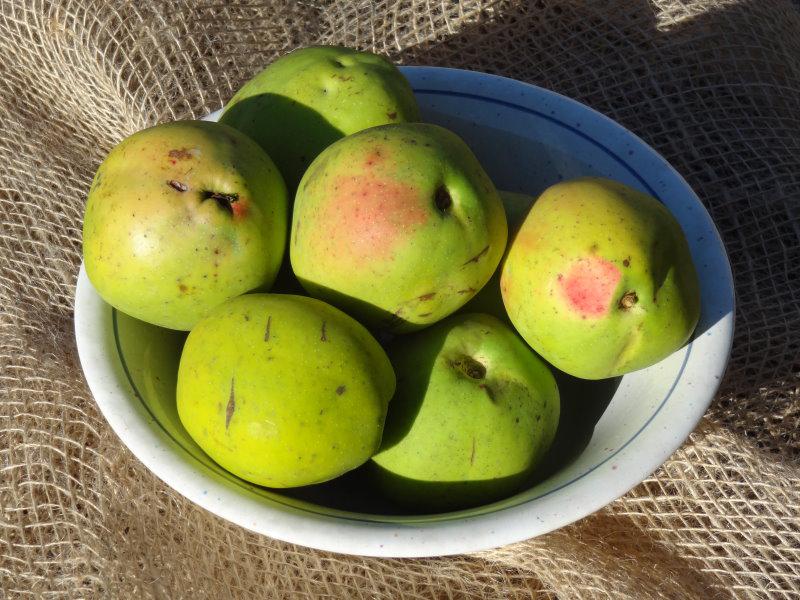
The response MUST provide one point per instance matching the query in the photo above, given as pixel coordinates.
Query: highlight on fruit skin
(284, 390)
(181, 217)
(313, 96)
(474, 413)
(599, 279)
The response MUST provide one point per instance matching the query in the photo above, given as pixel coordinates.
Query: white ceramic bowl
(614, 433)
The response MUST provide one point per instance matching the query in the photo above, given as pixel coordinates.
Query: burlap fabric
(714, 85)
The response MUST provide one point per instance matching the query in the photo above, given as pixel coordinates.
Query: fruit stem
(628, 300)
(442, 199)
(224, 200)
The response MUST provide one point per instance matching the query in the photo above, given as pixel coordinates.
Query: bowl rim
(452, 533)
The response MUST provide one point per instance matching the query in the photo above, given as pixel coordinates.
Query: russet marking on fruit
(267, 330)
(231, 407)
(180, 154)
(477, 257)
(589, 285)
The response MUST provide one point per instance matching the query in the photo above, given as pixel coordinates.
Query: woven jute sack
(713, 85)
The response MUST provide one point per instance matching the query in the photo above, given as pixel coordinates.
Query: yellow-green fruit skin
(311, 97)
(599, 279)
(159, 247)
(474, 413)
(398, 225)
(284, 390)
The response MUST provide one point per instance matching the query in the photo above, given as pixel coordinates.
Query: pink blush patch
(369, 216)
(589, 286)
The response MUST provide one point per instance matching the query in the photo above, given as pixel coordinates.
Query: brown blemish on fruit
(628, 299)
(177, 185)
(182, 288)
(472, 454)
(341, 390)
(427, 314)
(469, 290)
(267, 330)
(182, 154)
(477, 257)
(627, 262)
(231, 406)
(392, 115)
(323, 336)
(297, 232)
(426, 297)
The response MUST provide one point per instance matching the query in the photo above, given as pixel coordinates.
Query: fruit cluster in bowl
(357, 291)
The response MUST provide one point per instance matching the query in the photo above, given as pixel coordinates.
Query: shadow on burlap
(714, 86)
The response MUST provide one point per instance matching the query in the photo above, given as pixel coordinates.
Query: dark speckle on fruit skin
(341, 390)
